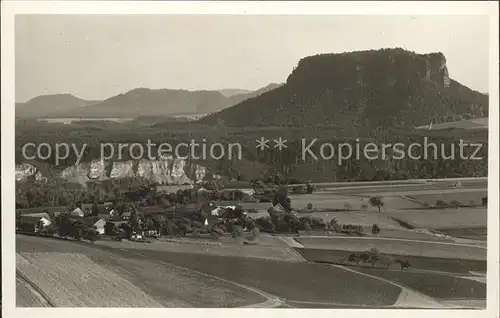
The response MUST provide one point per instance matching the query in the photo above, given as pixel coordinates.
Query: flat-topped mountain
(389, 88)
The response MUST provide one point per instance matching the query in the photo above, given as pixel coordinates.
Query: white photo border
(10, 8)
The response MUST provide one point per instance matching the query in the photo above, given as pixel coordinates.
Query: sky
(95, 57)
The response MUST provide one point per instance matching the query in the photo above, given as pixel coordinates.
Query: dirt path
(29, 295)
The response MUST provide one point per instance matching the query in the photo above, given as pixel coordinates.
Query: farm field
(335, 201)
(443, 218)
(27, 297)
(388, 189)
(72, 280)
(464, 197)
(439, 286)
(473, 233)
(120, 280)
(396, 247)
(458, 266)
(354, 217)
(400, 233)
(480, 123)
(276, 253)
(290, 280)
(293, 281)
(421, 190)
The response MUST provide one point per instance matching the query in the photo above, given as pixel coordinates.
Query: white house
(99, 225)
(77, 212)
(248, 191)
(279, 208)
(217, 211)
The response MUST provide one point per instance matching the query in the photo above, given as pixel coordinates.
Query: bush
(318, 223)
(48, 230)
(309, 206)
(307, 227)
(91, 235)
(348, 206)
(254, 234)
(455, 203)
(441, 203)
(309, 188)
(484, 201)
(375, 229)
(265, 224)
(364, 206)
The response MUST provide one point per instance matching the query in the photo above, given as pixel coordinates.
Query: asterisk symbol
(280, 143)
(262, 143)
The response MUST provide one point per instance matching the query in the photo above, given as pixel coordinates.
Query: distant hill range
(228, 92)
(51, 105)
(136, 102)
(377, 88)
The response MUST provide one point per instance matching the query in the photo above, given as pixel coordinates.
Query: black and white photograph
(250, 155)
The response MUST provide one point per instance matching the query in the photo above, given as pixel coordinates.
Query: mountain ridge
(52, 104)
(135, 102)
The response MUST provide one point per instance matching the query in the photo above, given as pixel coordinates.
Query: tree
(254, 234)
(363, 206)
(455, 204)
(94, 210)
(236, 230)
(376, 201)
(309, 188)
(375, 229)
(484, 201)
(91, 235)
(441, 203)
(307, 227)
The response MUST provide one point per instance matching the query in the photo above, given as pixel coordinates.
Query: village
(151, 212)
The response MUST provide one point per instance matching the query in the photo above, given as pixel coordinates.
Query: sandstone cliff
(173, 171)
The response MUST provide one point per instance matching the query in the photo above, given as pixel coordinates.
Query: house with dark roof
(113, 228)
(32, 224)
(126, 215)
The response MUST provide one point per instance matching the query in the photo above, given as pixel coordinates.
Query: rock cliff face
(173, 171)
(436, 70)
(26, 170)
